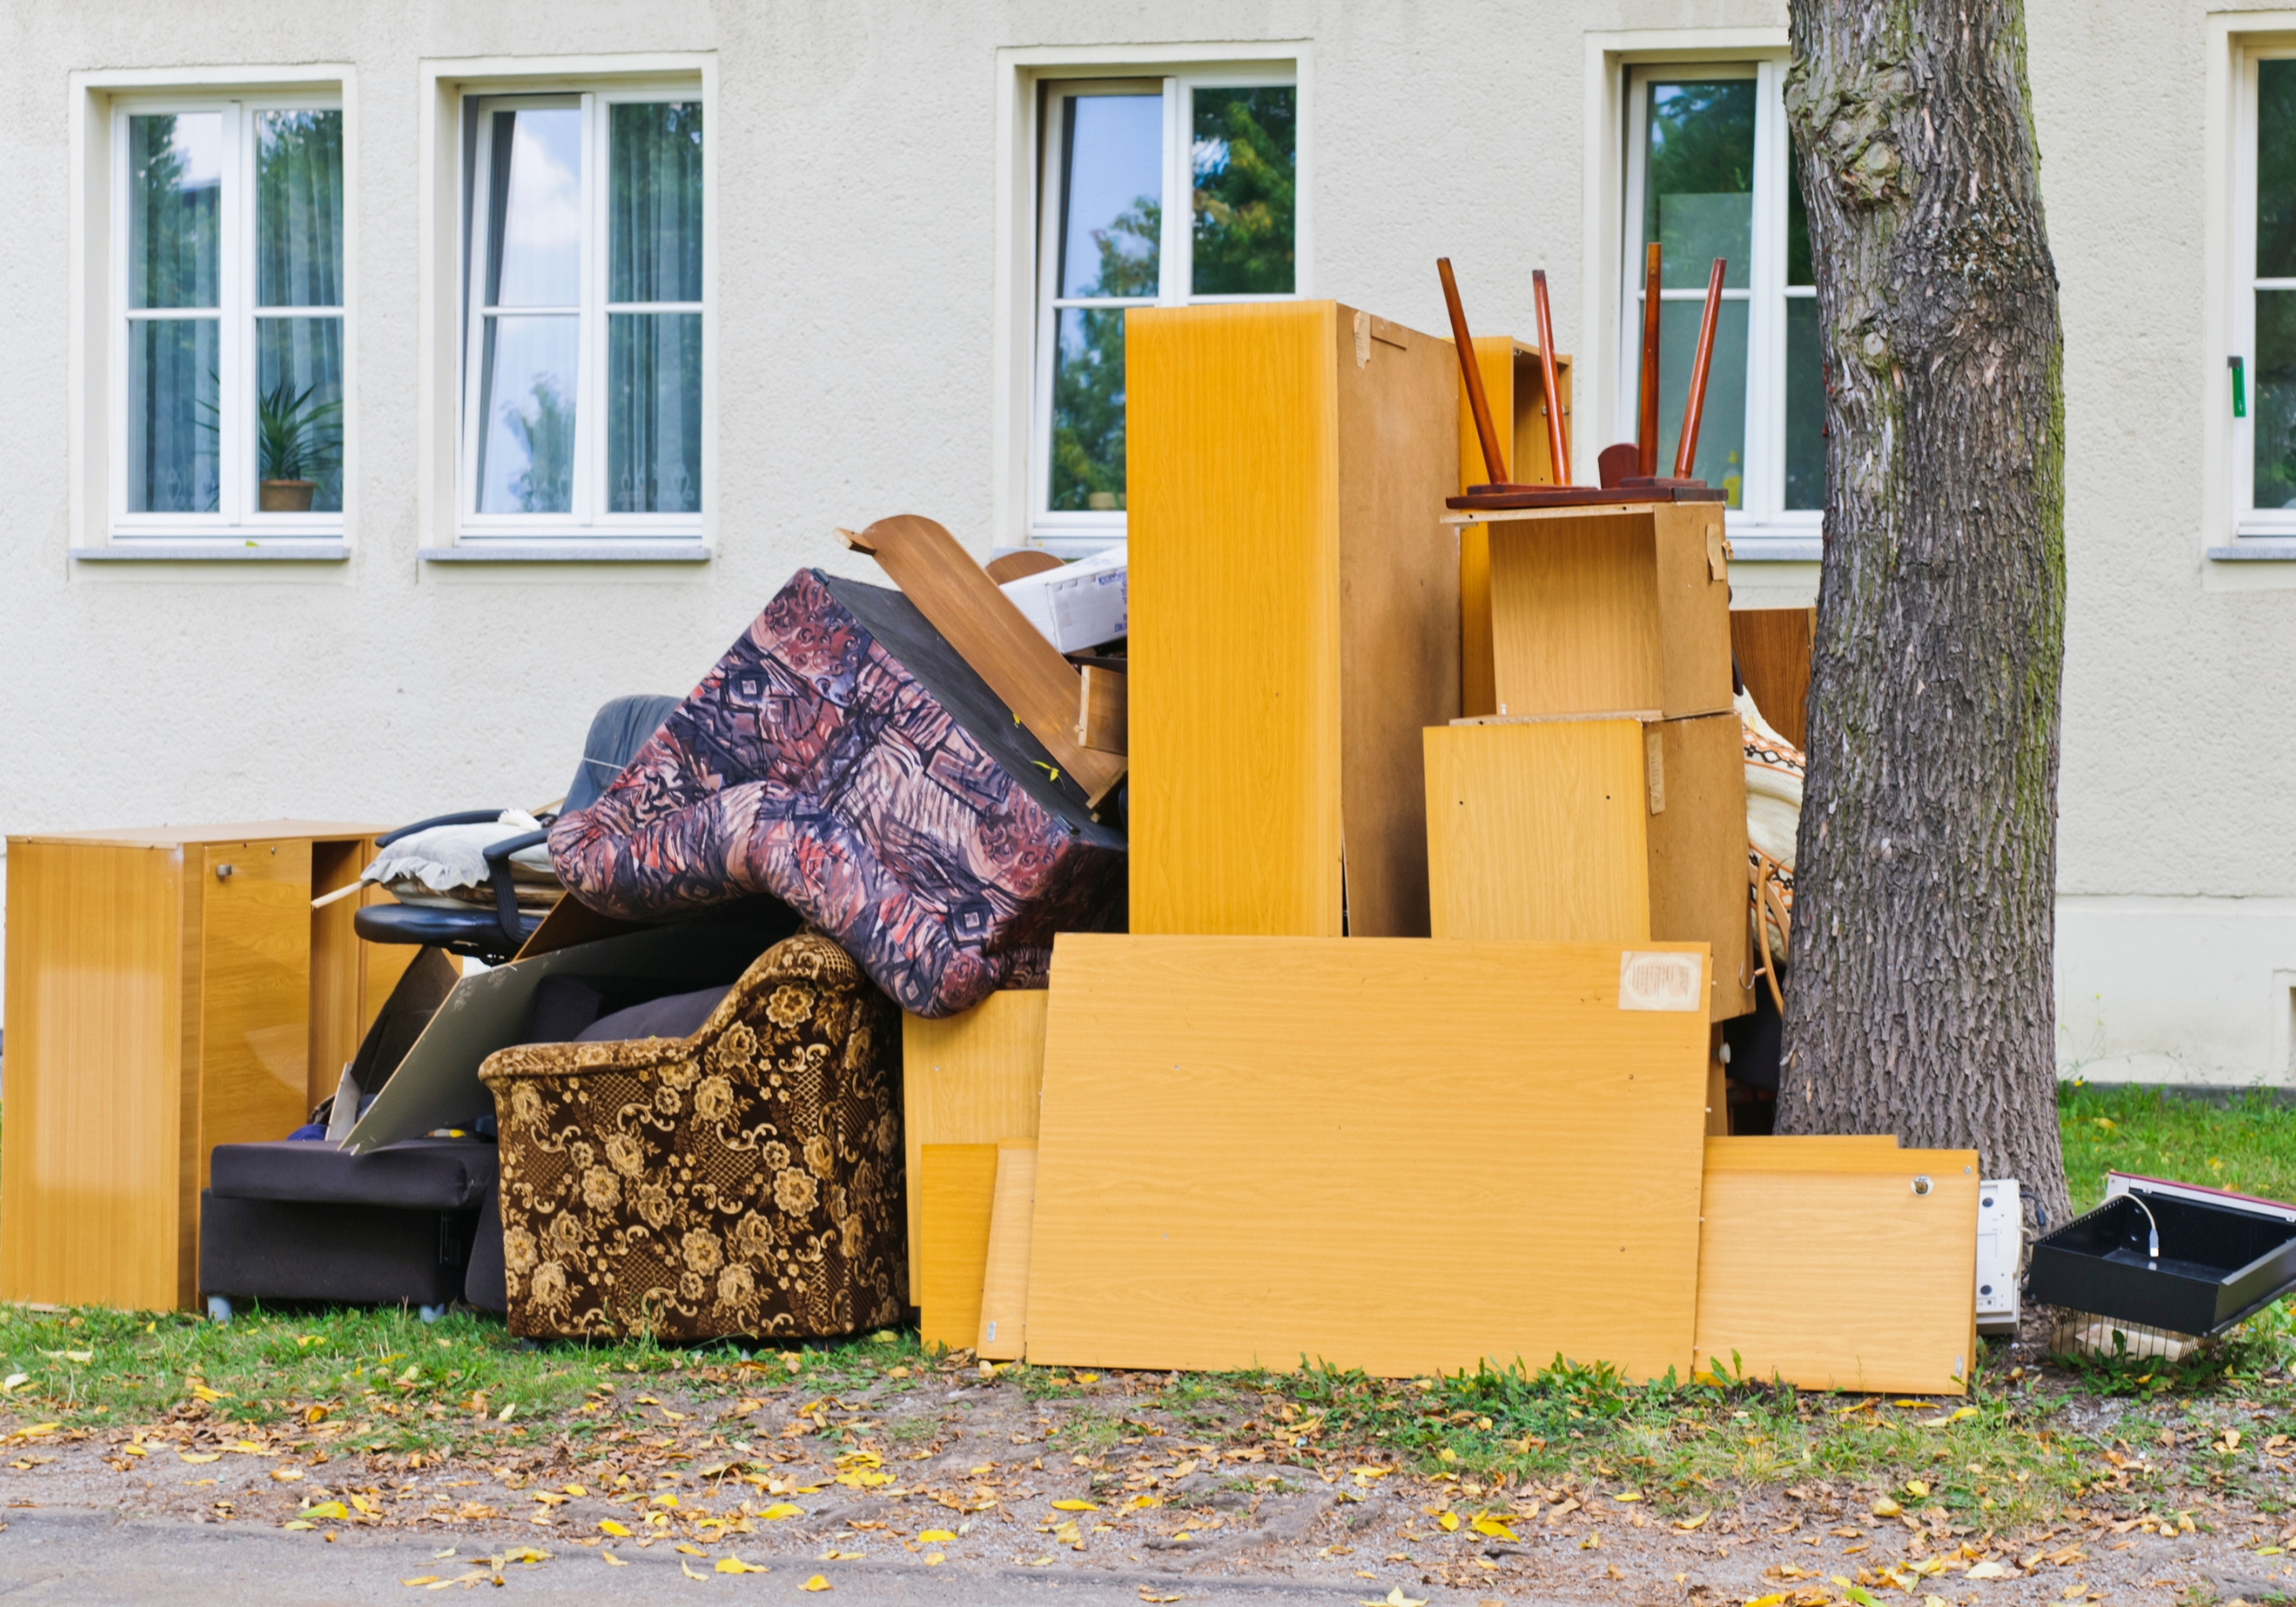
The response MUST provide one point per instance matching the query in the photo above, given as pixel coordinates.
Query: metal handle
(222, 873)
(1921, 1185)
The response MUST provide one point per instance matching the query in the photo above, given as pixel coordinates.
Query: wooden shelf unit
(1295, 622)
(1618, 829)
(167, 990)
(1516, 390)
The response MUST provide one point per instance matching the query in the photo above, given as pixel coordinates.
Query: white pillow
(427, 866)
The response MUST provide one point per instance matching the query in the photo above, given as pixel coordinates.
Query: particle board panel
(1003, 1334)
(88, 1157)
(1253, 1152)
(1610, 611)
(956, 1191)
(254, 995)
(971, 1078)
(1698, 850)
(1538, 831)
(1827, 1269)
(1398, 611)
(1772, 646)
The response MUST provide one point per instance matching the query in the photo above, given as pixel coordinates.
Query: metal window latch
(2239, 387)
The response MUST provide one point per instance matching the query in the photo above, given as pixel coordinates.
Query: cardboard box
(1078, 606)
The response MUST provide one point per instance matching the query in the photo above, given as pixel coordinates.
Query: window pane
(2275, 399)
(2275, 171)
(299, 208)
(298, 424)
(654, 413)
(1805, 406)
(653, 179)
(175, 186)
(1245, 152)
(1699, 178)
(1087, 410)
(1722, 432)
(1797, 223)
(526, 456)
(171, 415)
(1112, 194)
(534, 222)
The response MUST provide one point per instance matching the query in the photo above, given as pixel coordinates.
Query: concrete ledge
(1777, 549)
(2257, 550)
(219, 551)
(573, 551)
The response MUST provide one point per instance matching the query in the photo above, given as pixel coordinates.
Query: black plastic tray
(2217, 1264)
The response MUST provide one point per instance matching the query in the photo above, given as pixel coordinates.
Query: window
(583, 316)
(1709, 174)
(227, 286)
(2264, 312)
(1114, 151)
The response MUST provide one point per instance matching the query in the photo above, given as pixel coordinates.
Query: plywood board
(1772, 646)
(1699, 888)
(1537, 830)
(1003, 1334)
(1827, 1269)
(971, 1078)
(955, 1188)
(1398, 613)
(1253, 1152)
(1694, 576)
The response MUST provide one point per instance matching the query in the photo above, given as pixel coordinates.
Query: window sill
(2256, 550)
(571, 551)
(215, 550)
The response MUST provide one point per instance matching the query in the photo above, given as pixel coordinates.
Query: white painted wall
(856, 353)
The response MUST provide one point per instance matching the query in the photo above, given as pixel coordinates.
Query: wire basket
(2086, 1333)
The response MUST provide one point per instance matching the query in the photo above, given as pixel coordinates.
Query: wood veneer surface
(1007, 1267)
(1252, 1149)
(955, 1188)
(1825, 1269)
(971, 1078)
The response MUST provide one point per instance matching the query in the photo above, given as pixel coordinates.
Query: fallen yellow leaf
(1915, 1489)
(689, 1550)
(1142, 1502)
(686, 1568)
(1687, 1523)
(422, 1579)
(1449, 1521)
(1484, 1524)
(1075, 1506)
(606, 1525)
(735, 1565)
(935, 1536)
(1628, 1495)
(787, 1509)
(286, 1475)
(201, 1455)
(816, 1583)
(325, 1509)
(526, 1554)
(1396, 1598)
(1772, 1600)
(1986, 1570)
(934, 1559)
(611, 1557)
(1886, 1507)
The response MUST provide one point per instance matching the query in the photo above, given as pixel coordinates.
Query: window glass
(1111, 233)
(1698, 204)
(297, 405)
(175, 190)
(527, 404)
(172, 408)
(175, 197)
(654, 358)
(1244, 155)
(536, 213)
(2273, 484)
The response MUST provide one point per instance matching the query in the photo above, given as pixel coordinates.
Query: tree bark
(1926, 872)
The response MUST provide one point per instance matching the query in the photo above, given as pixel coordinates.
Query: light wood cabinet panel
(971, 1078)
(154, 1011)
(1516, 391)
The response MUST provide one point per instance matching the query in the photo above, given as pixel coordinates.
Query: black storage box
(2218, 1263)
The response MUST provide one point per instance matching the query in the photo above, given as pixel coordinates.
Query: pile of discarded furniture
(1347, 925)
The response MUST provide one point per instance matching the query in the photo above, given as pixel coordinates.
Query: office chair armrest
(465, 817)
(506, 894)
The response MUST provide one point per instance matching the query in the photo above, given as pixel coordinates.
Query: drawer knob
(222, 873)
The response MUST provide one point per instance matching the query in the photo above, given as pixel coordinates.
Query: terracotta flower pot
(285, 496)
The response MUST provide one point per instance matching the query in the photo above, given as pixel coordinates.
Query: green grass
(2248, 1145)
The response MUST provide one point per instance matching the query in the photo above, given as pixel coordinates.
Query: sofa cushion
(421, 1174)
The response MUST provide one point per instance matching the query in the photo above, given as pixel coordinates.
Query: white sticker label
(1658, 981)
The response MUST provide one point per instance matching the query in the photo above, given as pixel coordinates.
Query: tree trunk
(1926, 872)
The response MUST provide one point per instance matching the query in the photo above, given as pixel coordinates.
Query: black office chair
(617, 732)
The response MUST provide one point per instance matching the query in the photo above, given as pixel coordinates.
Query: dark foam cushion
(421, 1174)
(680, 1015)
(282, 1250)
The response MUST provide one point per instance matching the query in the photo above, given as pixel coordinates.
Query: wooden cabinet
(1516, 388)
(1294, 615)
(168, 991)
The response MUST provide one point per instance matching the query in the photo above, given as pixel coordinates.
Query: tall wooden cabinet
(168, 991)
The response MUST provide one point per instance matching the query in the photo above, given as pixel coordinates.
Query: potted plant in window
(297, 439)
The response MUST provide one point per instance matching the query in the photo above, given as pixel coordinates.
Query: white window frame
(588, 518)
(2252, 526)
(237, 519)
(1761, 514)
(1080, 533)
